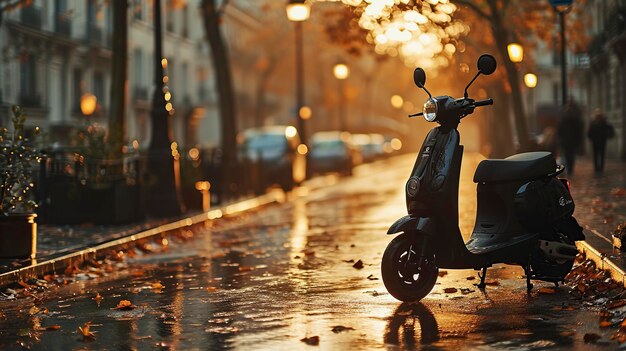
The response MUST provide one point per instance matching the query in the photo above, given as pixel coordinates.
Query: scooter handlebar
(483, 102)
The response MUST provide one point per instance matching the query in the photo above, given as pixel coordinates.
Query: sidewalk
(61, 246)
(600, 206)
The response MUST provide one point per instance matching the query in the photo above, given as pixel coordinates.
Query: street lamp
(530, 80)
(516, 52)
(341, 71)
(88, 103)
(562, 7)
(163, 199)
(299, 11)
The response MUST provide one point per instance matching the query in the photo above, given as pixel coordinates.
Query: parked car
(332, 151)
(273, 153)
(371, 146)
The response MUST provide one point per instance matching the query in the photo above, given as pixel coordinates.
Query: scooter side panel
(438, 171)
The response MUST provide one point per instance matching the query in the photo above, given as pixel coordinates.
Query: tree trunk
(500, 33)
(211, 14)
(500, 132)
(117, 121)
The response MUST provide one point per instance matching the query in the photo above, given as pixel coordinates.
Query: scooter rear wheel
(406, 275)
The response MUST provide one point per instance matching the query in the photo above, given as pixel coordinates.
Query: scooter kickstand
(529, 285)
(482, 284)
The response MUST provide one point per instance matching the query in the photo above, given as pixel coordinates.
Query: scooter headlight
(430, 109)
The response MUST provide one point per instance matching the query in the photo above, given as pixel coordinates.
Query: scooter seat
(528, 165)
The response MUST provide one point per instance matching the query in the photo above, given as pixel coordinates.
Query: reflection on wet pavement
(287, 273)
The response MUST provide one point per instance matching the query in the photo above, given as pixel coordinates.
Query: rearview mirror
(419, 77)
(486, 64)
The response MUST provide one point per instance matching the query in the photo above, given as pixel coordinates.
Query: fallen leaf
(470, 278)
(137, 273)
(591, 337)
(371, 277)
(23, 284)
(492, 282)
(98, 298)
(314, 340)
(466, 291)
(615, 304)
(157, 286)
(87, 334)
(341, 328)
(53, 327)
(211, 288)
(348, 261)
(450, 290)
(442, 273)
(618, 191)
(246, 268)
(358, 264)
(605, 324)
(545, 290)
(124, 305)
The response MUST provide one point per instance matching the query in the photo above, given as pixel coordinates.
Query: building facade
(607, 74)
(54, 51)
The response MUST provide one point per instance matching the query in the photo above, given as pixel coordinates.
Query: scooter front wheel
(408, 273)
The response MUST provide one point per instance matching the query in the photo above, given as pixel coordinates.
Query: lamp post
(341, 71)
(562, 7)
(530, 80)
(164, 195)
(299, 11)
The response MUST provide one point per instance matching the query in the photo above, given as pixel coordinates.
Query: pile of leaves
(597, 289)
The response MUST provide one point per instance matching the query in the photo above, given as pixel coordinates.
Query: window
(139, 90)
(185, 11)
(137, 7)
(28, 82)
(77, 88)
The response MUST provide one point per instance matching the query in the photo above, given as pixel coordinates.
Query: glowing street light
(341, 71)
(397, 101)
(516, 52)
(530, 80)
(88, 103)
(298, 10)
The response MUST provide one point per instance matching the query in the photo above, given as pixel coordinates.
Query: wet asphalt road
(285, 272)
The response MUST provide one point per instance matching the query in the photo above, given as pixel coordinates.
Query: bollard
(203, 187)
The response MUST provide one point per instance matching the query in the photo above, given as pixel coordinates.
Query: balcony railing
(31, 16)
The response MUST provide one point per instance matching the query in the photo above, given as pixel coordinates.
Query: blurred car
(371, 146)
(273, 151)
(332, 151)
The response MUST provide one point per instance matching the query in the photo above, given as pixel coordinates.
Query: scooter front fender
(408, 224)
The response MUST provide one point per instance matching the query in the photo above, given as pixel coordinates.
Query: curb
(92, 253)
(602, 262)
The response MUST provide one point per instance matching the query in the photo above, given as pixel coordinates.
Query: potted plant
(18, 229)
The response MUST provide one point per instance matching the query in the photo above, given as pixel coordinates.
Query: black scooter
(524, 214)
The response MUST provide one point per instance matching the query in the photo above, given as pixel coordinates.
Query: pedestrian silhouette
(599, 131)
(570, 133)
